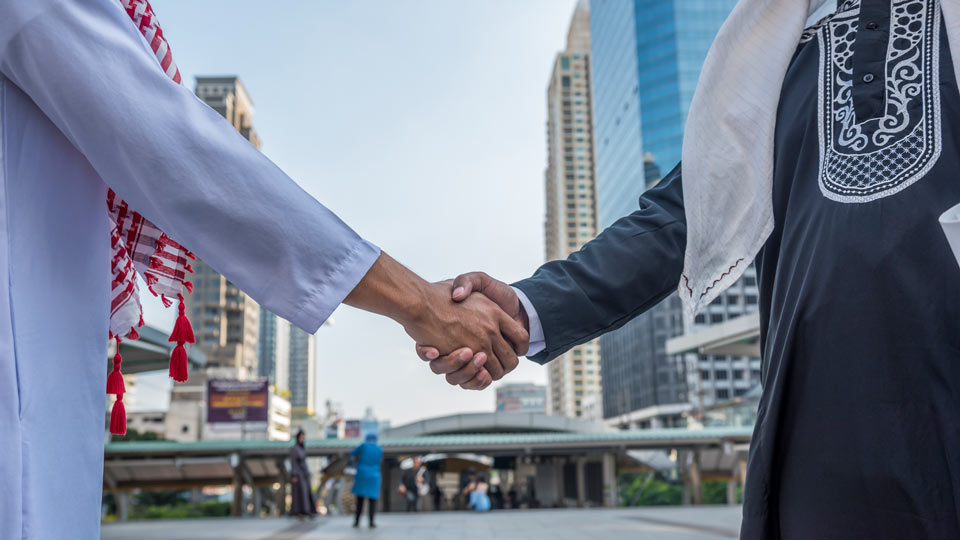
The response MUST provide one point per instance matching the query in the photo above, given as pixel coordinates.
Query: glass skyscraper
(646, 57)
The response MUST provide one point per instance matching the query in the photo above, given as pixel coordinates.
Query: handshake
(471, 329)
(479, 328)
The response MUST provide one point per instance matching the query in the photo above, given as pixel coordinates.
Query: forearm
(626, 270)
(392, 290)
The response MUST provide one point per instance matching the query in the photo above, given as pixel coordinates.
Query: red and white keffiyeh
(140, 247)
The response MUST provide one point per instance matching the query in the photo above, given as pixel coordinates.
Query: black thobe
(303, 502)
(857, 434)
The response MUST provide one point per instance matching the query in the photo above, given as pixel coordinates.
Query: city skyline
(369, 116)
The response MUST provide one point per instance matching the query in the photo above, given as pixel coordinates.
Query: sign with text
(237, 401)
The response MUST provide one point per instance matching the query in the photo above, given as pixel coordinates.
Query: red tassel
(133, 334)
(178, 363)
(140, 324)
(118, 417)
(115, 378)
(182, 329)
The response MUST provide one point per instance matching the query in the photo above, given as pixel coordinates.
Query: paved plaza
(674, 523)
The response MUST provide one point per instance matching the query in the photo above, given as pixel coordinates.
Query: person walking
(366, 484)
(415, 482)
(303, 505)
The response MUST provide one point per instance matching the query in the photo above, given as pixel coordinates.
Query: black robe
(303, 502)
(858, 429)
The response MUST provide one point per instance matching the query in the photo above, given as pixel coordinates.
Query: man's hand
(475, 323)
(457, 330)
(457, 365)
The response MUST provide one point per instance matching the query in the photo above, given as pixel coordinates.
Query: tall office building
(273, 350)
(646, 57)
(226, 320)
(570, 199)
(303, 373)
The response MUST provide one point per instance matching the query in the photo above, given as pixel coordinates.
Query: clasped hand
(482, 333)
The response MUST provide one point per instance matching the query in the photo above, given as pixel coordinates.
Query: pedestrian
(366, 484)
(414, 484)
(479, 500)
(304, 504)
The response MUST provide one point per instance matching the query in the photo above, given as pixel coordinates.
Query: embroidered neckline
(865, 159)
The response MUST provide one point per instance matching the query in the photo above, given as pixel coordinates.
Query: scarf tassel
(118, 417)
(182, 333)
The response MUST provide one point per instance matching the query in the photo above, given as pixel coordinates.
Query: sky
(421, 123)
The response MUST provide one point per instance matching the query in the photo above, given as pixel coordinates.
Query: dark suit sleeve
(629, 268)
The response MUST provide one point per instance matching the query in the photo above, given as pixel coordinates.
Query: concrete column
(732, 492)
(123, 504)
(610, 496)
(696, 486)
(281, 503)
(236, 508)
(558, 483)
(581, 482)
(743, 472)
(257, 501)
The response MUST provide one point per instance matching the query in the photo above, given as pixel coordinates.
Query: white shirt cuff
(537, 341)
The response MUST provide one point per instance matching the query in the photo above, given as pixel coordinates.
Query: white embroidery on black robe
(862, 160)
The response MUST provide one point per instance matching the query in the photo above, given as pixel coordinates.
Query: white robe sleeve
(177, 161)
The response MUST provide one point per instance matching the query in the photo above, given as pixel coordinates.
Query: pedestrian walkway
(659, 523)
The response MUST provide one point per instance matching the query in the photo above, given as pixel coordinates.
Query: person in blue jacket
(366, 485)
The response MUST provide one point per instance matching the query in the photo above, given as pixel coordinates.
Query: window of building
(751, 299)
(720, 374)
(705, 374)
(716, 318)
(737, 374)
(723, 393)
(565, 81)
(564, 62)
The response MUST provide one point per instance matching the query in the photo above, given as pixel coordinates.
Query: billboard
(231, 401)
(352, 429)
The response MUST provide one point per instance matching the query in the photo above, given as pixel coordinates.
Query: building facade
(646, 57)
(521, 398)
(226, 320)
(570, 199)
(303, 373)
(273, 350)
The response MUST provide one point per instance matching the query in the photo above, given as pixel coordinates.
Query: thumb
(465, 284)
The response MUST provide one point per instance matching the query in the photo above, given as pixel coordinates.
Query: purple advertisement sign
(236, 401)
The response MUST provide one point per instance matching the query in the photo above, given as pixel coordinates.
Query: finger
(479, 381)
(468, 371)
(494, 365)
(467, 283)
(506, 356)
(516, 334)
(427, 354)
(451, 362)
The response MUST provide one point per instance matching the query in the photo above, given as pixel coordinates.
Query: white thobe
(84, 105)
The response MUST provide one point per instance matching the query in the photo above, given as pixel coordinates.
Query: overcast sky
(422, 124)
